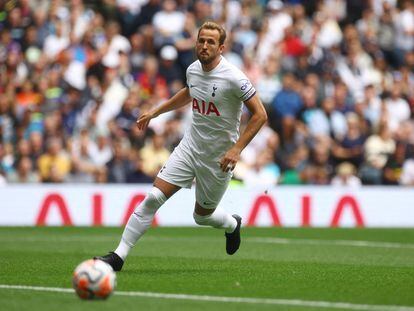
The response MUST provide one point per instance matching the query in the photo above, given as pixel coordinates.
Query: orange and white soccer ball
(94, 279)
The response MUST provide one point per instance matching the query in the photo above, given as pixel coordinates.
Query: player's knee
(154, 199)
(152, 202)
(202, 220)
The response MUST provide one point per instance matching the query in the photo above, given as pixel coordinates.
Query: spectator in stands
(393, 167)
(54, 164)
(294, 166)
(52, 90)
(27, 97)
(309, 99)
(56, 41)
(36, 146)
(7, 158)
(315, 175)
(154, 155)
(169, 69)
(24, 172)
(168, 24)
(23, 150)
(407, 173)
(101, 175)
(100, 150)
(119, 166)
(350, 147)
(327, 121)
(126, 118)
(82, 166)
(278, 20)
(173, 132)
(137, 54)
(320, 156)
(136, 174)
(185, 42)
(264, 171)
(42, 25)
(153, 85)
(244, 35)
(377, 149)
(404, 25)
(137, 138)
(285, 107)
(292, 45)
(269, 83)
(115, 43)
(397, 108)
(345, 176)
(372, 106)
(129, 12)
(114, 94)
(7, 119)
(344, 101)
(16, 23)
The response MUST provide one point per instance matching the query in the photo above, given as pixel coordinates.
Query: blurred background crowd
(336, 77)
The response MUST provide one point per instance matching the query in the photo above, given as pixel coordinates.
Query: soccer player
(210, 147)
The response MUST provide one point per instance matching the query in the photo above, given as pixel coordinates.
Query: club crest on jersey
(214, 90)
(205, 108)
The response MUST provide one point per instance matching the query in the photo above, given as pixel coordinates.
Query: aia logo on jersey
(205, 108)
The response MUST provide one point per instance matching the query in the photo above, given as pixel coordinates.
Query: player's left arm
(257, 120)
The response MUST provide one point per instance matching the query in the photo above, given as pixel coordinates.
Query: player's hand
(229, 160)
(144, 120)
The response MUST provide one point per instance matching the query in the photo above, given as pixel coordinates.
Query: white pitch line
(269, 301)
(353, 243)
(37, 288)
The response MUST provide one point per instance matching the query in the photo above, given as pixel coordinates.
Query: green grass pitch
(297, 266)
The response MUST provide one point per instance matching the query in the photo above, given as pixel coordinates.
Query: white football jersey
(217, 98)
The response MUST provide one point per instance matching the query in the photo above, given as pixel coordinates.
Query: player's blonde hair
(214, 26)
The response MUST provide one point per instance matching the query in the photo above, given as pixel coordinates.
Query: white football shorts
(211, 182)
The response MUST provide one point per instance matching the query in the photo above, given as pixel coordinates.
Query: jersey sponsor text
(205, 108)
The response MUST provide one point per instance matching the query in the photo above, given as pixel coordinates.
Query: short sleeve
(186, 77)
(244, 89)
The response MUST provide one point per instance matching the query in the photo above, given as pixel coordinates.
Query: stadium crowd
(336, 77)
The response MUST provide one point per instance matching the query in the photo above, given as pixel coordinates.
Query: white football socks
(140, 221)
(218, 219)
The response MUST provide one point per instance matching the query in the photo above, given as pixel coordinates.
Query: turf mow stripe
(245, 300)
(266, 240)
(352, 243)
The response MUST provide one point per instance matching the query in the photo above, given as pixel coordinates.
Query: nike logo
(192, 85)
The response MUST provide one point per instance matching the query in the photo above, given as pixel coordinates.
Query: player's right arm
(179, 100)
